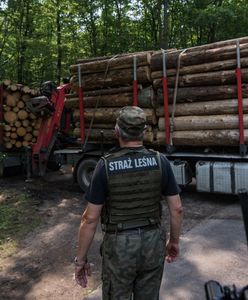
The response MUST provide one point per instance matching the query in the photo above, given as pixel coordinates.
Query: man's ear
(117, 132)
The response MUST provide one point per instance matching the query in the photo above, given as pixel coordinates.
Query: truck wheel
(85, 171)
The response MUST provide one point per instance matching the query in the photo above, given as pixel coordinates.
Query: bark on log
(197, 56)
(203, 68)
(204, 93)
(213, 107)
(108, 91)
(92, 59)
(109, 115)
(109, 135)
(188, 123)
(114, 78)
(202, 79)
(116, 62)
(204, 137)
(146, 99)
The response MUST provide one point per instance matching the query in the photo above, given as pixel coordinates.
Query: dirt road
(42, 267)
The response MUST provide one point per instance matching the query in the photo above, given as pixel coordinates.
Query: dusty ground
(42, 267)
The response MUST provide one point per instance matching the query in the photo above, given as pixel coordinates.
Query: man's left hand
(81, 273)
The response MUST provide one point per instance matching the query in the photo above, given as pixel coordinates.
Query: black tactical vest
(134, 185)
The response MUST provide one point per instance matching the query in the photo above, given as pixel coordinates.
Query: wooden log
(13, 135)
(16, 109)
(28, 137)
(20, 104)
(29, 129)
(18, 144)
(10, 116)
(201, 79)
(188, 123)
(108, 135)
(116, 62)
(92, 59)
(26, 90)
(22, 114)
(194, 57)
(203, 68)
(6, 82)
(21, 131)
(25, 143)
(25, 123)
(7, 127)
(213, 107)
(8, 145)
(114, 100)
(113, 78)
(18, 124)
(26, 97)
(204, 137)
(204, 93)
(146, 99)
(13, 128)
(11, 100)
(108, 91)
(6, 108)
(109, 115)
(35, 133)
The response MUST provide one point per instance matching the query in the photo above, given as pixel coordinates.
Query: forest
(40, 39)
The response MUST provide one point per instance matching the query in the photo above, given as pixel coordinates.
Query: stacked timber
(202, 93)
(107, 84)
(20, 127)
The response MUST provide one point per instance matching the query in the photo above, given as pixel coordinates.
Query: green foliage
(40, 39)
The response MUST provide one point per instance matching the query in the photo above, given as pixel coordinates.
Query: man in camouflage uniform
(126, 191)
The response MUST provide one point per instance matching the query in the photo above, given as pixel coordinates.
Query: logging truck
(195, 101)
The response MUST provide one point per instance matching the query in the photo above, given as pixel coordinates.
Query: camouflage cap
(132, 120)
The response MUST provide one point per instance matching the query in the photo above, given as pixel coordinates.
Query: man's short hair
(131, 123)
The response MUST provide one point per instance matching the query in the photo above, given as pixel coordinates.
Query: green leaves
(39, 39)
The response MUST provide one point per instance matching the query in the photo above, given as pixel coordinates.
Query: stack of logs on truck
(19, 127)
(201, 84)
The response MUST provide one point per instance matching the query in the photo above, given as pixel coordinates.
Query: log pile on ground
(107, 84)
(20, 127)
(205, 108)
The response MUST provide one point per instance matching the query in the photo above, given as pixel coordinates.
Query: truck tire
(85, 171)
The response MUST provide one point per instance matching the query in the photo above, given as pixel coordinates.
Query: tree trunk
(203, 137)
(146, 98)
(109, 115)
(196, 56)
(188, 123)
(203, 68)
(204, 93)
(116, 62)
(95, 135)
(214, 107)
(202, 79)
(113, 78)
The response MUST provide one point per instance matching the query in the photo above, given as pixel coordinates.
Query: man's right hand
(81, 273)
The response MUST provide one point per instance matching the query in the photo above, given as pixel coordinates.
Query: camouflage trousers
(133, 265)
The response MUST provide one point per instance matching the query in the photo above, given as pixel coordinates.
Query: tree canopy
(39, 39)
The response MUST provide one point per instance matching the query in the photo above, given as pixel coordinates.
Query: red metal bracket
(135, 82)
(166, 104)
(81, 105)
(242, 146)
(48, 129)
